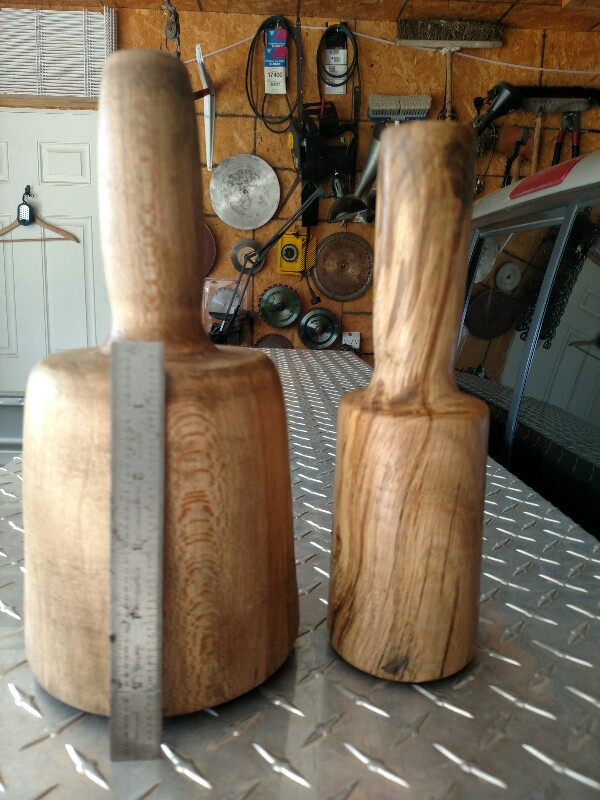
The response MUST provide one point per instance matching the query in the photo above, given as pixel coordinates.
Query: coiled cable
(258, 108)
(352, 71)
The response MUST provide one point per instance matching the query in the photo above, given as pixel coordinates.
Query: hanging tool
(348, 206)
(26, 216)
(276, 123)
(250, 261)
(279, 305)
(324, 149)
(244, 191)
(570, 121)
(381, 109)
(172, 30)
(344, 268)
(541, 105)
(274, 340)
(507, 135)
(319, 329)
(398, 108)
(519, 143)
(334, 73)
(448, 37)
(539, 100)
(296, 253)
(448, 113)
(502, 98)
(209, 96)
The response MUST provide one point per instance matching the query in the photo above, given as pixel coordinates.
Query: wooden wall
(385, 69)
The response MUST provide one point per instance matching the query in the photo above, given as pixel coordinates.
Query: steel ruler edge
(136, 549)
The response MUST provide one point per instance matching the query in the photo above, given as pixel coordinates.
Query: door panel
(52, 294)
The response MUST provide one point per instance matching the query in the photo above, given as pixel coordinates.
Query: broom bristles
(449, 32)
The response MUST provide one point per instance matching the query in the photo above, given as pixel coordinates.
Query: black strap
(271, 120)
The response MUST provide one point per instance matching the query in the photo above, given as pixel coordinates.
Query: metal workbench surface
(523, 721)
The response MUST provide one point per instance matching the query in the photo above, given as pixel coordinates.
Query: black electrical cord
(314, 298)
(352, 71)
(259, 112)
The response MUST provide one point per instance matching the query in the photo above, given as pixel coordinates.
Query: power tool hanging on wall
(324, 147)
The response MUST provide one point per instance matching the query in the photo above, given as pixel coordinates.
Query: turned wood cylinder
(410, 469)
(230, 598)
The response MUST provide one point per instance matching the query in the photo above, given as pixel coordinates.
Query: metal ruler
(136, 550)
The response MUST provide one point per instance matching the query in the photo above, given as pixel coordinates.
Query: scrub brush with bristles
(397, 107)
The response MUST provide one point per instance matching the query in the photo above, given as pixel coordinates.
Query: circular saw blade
(244, 192)
(344, 268)
(218, 303)
(319, 329)
(274, 340)
(279, 305)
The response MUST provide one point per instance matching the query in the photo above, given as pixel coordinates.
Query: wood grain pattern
(411, 448)
(230, 599)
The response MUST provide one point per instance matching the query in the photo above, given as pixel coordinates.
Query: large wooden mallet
(411, 448)
(230, 605)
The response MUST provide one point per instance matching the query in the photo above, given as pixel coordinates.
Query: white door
(52, 293)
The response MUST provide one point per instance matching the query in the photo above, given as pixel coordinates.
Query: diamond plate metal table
(522, 722)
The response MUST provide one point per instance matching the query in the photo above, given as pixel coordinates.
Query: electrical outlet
(351, 339)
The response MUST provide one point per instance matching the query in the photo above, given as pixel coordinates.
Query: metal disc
(242, 248)
(209, 249)
(344, 268)
(508, 277)
(279, 305)
(244, 192)
(491, 314)
(274, 340)
(219, 301)
(319, 329)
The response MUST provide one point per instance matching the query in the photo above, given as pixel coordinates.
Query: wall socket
(352, 339)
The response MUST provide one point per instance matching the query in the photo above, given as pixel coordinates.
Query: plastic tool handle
(151, 201)
(426, 174)
(560, 137)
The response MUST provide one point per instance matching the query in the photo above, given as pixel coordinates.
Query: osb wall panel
(385, 69)
(541, 14)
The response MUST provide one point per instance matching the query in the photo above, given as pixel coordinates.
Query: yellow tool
(291, 250)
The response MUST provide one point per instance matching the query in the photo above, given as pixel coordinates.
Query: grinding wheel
(344, 268)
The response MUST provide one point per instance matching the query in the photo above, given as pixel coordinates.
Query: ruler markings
(137, 517)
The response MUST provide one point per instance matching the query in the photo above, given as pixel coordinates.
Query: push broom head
(398, 108)
(452, 34)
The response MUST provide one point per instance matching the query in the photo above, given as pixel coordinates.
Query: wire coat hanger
(26, 216)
